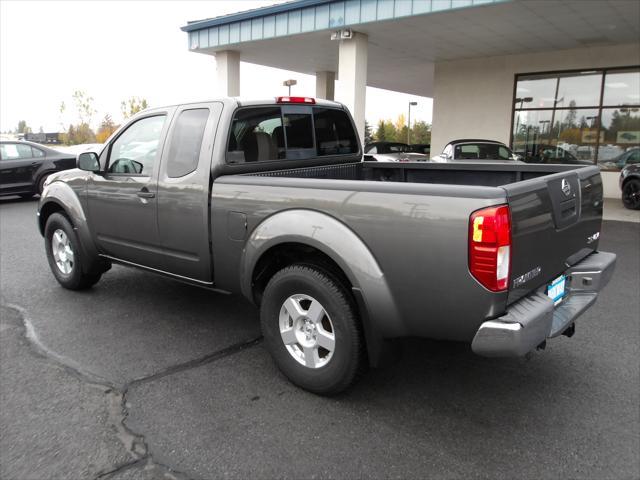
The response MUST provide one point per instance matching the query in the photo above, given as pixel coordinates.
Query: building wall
(472, 98)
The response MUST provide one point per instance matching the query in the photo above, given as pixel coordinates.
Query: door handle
(145, 194)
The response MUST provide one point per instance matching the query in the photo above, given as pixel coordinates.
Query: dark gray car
(271, 199)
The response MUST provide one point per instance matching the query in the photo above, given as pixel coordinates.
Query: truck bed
(473, 174)
(415, 219)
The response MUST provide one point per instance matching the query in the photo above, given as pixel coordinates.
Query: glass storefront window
(621, 89)
(582, 90)
(571, 138)
(536, 93)
(567, 117)
(620, 143)
(532, 129)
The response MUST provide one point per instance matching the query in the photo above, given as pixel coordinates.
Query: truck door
(183, 191)
(122, 201)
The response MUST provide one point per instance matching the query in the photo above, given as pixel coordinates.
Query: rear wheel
(311, 329)
(631, 194)
(64, 256)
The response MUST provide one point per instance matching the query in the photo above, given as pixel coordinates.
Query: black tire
(41, 181)
(76, 278)
(348, 361)
(631, 194)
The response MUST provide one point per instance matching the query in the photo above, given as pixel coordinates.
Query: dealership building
(557, 80)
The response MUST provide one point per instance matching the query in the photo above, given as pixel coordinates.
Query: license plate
(556, 289)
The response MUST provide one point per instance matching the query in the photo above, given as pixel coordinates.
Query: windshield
(482, 151)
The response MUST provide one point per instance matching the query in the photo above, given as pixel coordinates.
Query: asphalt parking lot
(142, 377)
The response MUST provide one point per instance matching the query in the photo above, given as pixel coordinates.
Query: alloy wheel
(62, 251)
(307, 331)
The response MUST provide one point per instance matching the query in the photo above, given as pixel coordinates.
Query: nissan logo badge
(566, 188)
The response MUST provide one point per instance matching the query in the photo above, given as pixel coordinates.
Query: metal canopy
(407, 37)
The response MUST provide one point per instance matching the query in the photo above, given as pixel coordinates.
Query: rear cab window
(289, 132)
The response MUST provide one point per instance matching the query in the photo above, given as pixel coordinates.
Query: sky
(114, 50)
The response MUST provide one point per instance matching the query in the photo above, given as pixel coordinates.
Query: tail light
(490, 247)
(306, 100)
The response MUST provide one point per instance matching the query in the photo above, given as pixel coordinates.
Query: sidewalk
(614, 210)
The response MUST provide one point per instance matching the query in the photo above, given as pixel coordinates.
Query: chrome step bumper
(530, 321)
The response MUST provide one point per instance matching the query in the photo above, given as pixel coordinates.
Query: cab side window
(186, 141)
(135, 151)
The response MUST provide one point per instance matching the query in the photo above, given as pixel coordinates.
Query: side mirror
(88, 161)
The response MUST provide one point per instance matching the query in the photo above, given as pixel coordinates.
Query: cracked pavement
(145, 378)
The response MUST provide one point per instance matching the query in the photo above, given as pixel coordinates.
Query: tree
(132, 106)
(368, 136)
(79, 134)
(82, 132)
(380, 133)
(421, 132)
(390, 131)
(107, 127)
(84, 105)
(570, 121)
(22, 127)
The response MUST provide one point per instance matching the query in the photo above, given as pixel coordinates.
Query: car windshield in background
(482, 151)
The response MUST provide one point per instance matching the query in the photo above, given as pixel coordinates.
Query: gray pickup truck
(271, 199)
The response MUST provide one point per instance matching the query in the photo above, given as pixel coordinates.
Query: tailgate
(555, 221)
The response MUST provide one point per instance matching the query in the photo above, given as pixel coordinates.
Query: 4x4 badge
(566, 188)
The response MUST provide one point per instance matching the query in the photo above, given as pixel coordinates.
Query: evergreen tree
(368, 136)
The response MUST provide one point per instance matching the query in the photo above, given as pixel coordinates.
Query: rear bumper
(530, 321)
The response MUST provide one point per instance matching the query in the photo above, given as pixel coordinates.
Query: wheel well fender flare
(342, 245)
(61, 198)
(630, 177)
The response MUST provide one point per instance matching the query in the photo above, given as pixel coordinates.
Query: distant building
(43, 138)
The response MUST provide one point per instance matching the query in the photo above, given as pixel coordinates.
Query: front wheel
(63, 254)
(41, 183)
(631, 194)
(311, 329)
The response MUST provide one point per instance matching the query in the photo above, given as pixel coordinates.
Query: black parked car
(24, 166)
(423, 148)
(630, 186)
